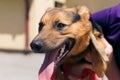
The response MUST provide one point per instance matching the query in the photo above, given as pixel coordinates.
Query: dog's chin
(57, 55)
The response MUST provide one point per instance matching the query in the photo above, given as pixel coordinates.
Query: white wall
(12, 24)
(38, 8)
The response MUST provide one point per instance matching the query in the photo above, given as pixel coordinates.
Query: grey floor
(17, 66)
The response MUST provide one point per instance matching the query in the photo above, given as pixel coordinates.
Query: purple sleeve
(109, 19)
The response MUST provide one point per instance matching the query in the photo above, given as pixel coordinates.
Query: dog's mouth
(57, 55)
(63, 50)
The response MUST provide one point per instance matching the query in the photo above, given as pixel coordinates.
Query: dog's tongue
(47, 69)
(47, 73)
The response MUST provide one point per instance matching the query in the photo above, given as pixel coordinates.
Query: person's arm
(109, 19)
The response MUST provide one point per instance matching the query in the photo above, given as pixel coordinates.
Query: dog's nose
(36, 45)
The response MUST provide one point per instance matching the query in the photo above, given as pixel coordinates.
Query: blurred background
(18, 25)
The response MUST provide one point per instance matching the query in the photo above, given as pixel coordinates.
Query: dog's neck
(79, 58)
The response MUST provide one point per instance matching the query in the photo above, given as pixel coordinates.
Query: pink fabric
(93, 75)
(85, 74)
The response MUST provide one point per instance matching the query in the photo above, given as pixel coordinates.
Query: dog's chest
(74, 72)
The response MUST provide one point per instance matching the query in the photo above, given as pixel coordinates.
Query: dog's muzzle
(38, 46)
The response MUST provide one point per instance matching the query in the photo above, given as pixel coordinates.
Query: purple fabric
(109, 19)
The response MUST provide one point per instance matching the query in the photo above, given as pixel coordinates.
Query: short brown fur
(79, 30)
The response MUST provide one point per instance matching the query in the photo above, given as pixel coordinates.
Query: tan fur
(79, 30)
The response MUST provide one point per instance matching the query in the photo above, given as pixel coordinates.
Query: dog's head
(62, 29)
(64, 33)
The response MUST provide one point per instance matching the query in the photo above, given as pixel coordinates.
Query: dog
(72, 43)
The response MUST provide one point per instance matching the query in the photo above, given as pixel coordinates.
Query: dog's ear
(96, 37)
(79, 12)
(83, 11)
(96, 26)
(99, 58)
(76, 17)
(98, 50)
(98, 64)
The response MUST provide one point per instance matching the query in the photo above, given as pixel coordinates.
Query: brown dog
(72, 43)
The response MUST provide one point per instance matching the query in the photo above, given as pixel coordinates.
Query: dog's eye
(59, 26)
(41, 24)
